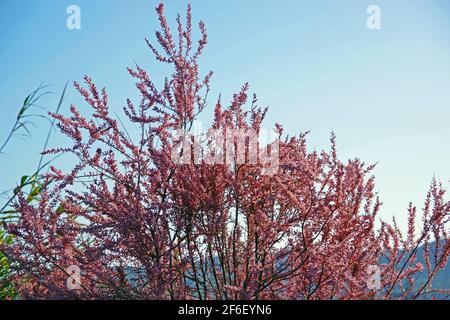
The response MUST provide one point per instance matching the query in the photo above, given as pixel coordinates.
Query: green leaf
(23, 180)
(60, 209)
(27, 100)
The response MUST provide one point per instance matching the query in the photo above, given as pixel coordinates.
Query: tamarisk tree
(138, 225)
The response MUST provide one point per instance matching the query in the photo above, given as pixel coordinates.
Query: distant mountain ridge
(440, 281)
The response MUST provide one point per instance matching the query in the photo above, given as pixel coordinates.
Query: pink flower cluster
(139, 226)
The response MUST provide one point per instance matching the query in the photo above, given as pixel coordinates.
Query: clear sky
(385, 93)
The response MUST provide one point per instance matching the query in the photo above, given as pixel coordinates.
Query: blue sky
(385, 93)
